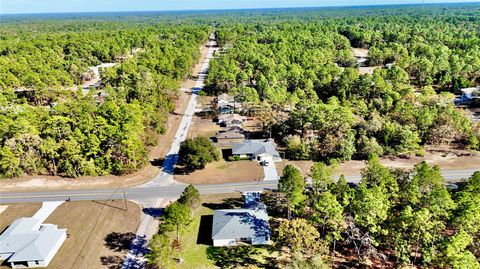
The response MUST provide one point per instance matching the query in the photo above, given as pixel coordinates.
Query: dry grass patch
(203, 127)
(445, 157)
(98, 234)
(223, 172)
(16, 211)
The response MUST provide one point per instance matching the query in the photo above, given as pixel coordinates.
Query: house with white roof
(259, 150)
(225, 103)
(249, 225)
(231, 120)
(469, 93)
(29, 243)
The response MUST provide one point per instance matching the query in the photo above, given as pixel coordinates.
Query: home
(229, 136)
(361, 56)
(231, 120)
(249, 225)
(225, 104)
(469, 93)
(29, 243)
(224, 99)
(225, 109)
(468, 96)
(259, 150)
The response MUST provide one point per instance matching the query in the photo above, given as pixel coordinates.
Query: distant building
(468, 96)
(224, 99)
(469, 93)
(256, 150)
(231, 120)
(225, 104)
(225, 109)
(361, 56)
(229, 136)
(29, 243)
(249, 225)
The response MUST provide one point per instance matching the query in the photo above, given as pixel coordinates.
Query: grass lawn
(197, 251)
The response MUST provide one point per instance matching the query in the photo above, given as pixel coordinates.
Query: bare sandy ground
(449, 161)
(223, 172)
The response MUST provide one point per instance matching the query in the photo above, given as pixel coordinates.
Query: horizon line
(240, 9)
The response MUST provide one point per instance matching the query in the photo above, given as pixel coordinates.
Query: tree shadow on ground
(234, 257)
(182, 170)
(112, 261)
(153, 211)
(157, 162)
(204, 236)
(119, 241)
(275, 202)
(228, 203)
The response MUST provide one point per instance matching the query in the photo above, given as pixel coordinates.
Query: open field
(458, 160)
(223, 172)
(98, 234)
(197, 250)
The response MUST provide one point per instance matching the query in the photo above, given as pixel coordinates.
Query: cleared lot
(223, 172)
(98, 234)
(203, 127)
(445, 159)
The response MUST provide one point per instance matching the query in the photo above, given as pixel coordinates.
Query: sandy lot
(360, 52)
(38, 183)
(203, 127)
(98, 234)
(444, 160)
(223, 172)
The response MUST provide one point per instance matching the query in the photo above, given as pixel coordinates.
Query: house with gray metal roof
(233, 227)
(259, 150)
(229, 136)
(29, 243)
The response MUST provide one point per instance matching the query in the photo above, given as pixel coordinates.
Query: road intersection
(163, 187)
(146, 192)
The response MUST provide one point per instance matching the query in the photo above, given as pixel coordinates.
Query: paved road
(149, 223)
(173, 191)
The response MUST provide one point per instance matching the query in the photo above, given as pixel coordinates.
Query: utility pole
(125, 200)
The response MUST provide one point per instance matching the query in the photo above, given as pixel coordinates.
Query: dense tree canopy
(51, 127)
(196, 153)
(412, 214)
(324, 108)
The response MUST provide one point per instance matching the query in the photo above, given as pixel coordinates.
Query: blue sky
(50, 6)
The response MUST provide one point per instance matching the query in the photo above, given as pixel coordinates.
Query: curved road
(173, 191)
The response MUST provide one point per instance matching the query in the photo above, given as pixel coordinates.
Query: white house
(29, 243)
(231, 120)
(233, 227)
(224, 99)
(256, 150)
(469, 93)
(225, 103)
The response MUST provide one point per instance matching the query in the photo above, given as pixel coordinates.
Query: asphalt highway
(172, 191)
